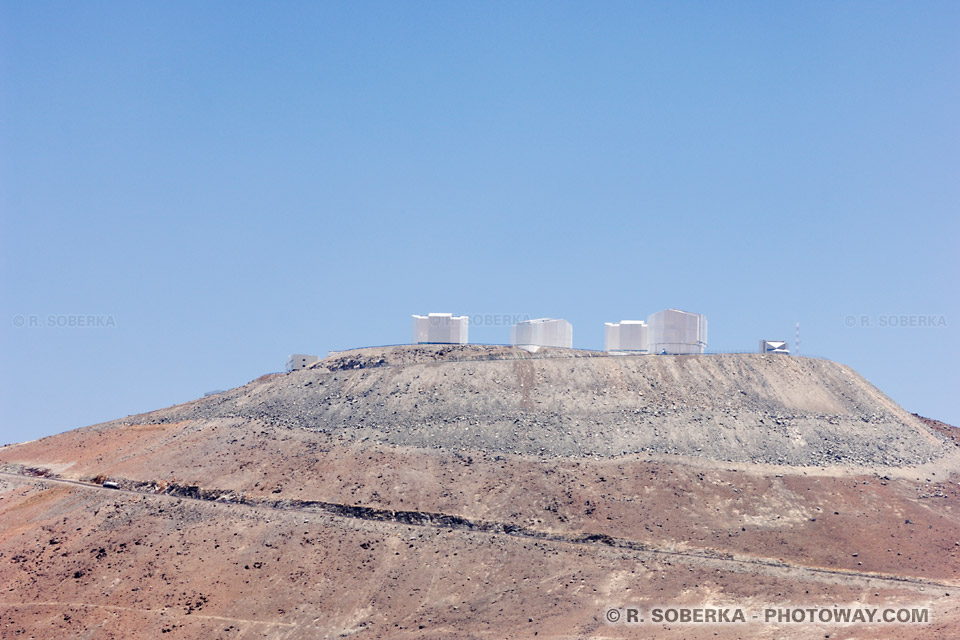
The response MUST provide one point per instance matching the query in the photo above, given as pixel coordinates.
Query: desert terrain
(487, 492)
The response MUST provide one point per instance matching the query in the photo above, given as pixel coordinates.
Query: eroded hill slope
(745, 407)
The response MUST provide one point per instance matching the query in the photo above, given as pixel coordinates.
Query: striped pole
(796, 347)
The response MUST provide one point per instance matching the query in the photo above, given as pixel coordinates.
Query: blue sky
(222, 184)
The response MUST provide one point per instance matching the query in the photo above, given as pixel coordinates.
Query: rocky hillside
(487, 492)
(558, 402)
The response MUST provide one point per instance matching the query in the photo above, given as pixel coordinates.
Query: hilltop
(565, 402)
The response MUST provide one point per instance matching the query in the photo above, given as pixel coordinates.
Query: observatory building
(299, 361)
(677, 332)
(774, 346)
(440, 328)
(542, 332)
(626, 336)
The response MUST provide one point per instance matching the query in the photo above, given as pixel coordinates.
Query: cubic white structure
(440, 328)
(542, 332)
(300, 361)
(626, 336)
(774, 346)
(677, 332)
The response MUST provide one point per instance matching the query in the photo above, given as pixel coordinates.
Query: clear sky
(220, 184)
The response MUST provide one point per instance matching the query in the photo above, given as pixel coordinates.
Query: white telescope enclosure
(677, 332)
(440, 328)
(626, 336)
(542, 332)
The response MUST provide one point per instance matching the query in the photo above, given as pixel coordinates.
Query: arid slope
(488, 493)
